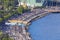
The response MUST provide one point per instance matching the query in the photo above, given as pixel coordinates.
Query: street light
(46, 3)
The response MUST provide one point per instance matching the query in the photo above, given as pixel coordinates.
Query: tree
(8, 3)
(0, 32)
(6, 37)
(1, 19)
(20, 10)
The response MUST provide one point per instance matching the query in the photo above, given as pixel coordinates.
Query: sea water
(46, 28)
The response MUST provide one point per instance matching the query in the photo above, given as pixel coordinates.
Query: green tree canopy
(20, 10)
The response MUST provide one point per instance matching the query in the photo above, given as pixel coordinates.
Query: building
(52, 3)
(34, 3)
(31, 3)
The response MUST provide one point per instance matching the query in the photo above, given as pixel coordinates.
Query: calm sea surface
(47, 28)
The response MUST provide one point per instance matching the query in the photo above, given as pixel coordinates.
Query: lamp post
(46, 3)
(56, 3)
(52, 2)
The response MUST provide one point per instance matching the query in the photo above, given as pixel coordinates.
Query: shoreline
(38, 17)
(28, 21)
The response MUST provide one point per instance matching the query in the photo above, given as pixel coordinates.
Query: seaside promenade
(18, 26)
(27, 17)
